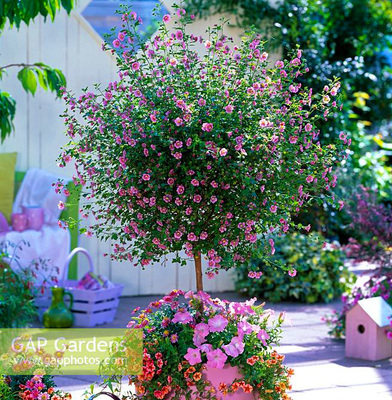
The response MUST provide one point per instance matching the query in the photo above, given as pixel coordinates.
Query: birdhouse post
(366, 325)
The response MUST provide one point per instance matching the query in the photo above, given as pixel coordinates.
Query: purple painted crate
(90, 307)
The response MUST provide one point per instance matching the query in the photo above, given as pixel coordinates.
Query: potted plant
(207, 154)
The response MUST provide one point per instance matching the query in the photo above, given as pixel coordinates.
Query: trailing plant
(199, 153)
(316, 271)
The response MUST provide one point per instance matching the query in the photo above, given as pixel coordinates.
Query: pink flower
(273, 208)
(235, 347)
(178, 121)
(263, 123)
(292, 272)
(308, 127)
(201, 102)
(61, 205)
(180, 189)
(166, 18)
(244, 328)
(194, 182)
(216, 359)
(177, 235)
(193, 356)
(170, 181)
(202, 329)
(182, 317)
(207, 126)
(309, 179)
(229, 108)
(217, 323)
(293, 139)
(146, 177)
(203, 235)
(197, 198)
(116, 43)
(135, 66)
(213, 199)
(200, 333)
(222, 152)
(121, 36)
(263, 336)
(192, 237)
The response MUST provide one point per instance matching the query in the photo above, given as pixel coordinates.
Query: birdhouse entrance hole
(361, 329)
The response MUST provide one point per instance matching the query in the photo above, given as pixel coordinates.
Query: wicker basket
(90, 307)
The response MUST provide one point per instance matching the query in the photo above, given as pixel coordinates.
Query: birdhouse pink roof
(377, 309)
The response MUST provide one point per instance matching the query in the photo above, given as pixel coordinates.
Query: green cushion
(7, 182)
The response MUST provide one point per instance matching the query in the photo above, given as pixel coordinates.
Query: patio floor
(321, 370)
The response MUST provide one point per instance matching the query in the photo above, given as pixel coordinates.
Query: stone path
(321, 370)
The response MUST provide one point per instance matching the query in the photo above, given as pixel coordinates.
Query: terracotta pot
(226, 375)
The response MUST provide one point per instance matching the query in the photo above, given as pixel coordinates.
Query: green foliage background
(321, 274)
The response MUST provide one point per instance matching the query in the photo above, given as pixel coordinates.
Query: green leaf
(7, 114)
(28, 80)
(42, 78)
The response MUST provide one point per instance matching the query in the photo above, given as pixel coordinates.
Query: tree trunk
(199, 275)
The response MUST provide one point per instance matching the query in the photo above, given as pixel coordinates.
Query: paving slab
(321, 370)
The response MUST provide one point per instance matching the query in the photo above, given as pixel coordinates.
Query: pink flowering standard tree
(206, 154)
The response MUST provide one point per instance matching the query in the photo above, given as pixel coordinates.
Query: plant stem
(199, 275)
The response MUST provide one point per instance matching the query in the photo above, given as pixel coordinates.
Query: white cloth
(51, 243)
(37, 190)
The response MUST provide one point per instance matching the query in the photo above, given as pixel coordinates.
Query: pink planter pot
(226, 375)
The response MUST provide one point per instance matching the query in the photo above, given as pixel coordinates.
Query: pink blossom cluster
(206, 154)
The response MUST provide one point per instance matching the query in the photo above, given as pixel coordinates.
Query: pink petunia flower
(235, 347)
(193, 356)
(182, 317)
(292, 272)
(217, 323)
(216, 359)
(263, 336)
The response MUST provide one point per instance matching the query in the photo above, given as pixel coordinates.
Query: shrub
(195, 153)
(321, 275)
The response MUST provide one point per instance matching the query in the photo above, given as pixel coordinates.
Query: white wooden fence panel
(72, 45)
